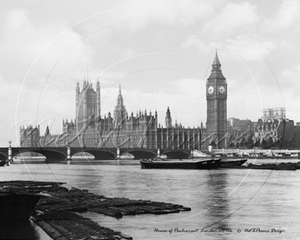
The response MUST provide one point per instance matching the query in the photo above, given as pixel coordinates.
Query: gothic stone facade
(141, 130)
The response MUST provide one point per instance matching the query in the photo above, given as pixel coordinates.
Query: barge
(181, 164)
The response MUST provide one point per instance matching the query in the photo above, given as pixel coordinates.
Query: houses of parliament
(121, 129)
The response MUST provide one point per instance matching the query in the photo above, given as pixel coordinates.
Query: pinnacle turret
(120, 97)
(120, 112)
(168, 118)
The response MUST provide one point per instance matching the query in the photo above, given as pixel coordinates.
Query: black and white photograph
(148, 119)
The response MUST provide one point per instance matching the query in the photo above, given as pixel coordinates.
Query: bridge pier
(69, 153)
(118, 153)
(158, 152)
(9, 152)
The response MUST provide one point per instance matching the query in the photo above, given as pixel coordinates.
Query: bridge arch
(83, 155)
(28, 154)
(140, 153)
(176, 154)
(127, 155)
(3, 156)
(51, 155)
(99, 154)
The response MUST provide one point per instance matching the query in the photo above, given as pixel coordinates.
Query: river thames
(225, 203)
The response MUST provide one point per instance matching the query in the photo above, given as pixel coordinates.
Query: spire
(120, 97)
(216, 66)
(47, 132)
(168, 118)
(87, 70)
(98, 83)
(120, 112)
(77, 88)
(216, 71)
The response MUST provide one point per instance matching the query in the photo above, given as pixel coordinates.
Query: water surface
(257, 203)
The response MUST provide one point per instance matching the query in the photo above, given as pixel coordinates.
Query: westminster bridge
(66, 153)
(56, 154)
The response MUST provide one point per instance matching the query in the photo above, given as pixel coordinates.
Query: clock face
(222, 89)
(210, 89)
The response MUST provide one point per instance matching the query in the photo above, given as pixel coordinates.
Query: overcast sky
(160, 51)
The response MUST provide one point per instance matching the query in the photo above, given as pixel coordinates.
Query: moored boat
(17, 206)
(232, 164)
(271, 166)
(181, 164)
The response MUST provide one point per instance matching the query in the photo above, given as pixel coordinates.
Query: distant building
(140, 130)
(273, 114)
(88, 106)
(29, 136)
(240, 125)
(274, 130)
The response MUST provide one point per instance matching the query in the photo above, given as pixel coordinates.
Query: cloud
(37, 91)
(194, 41)
(250, 49)
(7, 90)
(116, 30)
(182, 12)
(288, 15)
(232, 17)
(290, 77)
(135, 14)
(17, 19)
(32, 43)
(289, 86)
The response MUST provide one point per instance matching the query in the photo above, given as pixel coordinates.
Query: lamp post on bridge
(118, 153)
(9, 153)
(69, 153)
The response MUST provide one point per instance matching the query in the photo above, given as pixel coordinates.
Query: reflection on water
(216, 201)
(220, 199)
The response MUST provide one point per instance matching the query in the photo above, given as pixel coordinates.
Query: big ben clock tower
(216, 97)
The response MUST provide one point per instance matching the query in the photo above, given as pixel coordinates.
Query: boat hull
(204, 164)
(257, 156)
(17, 207)
(270, 166)
(232, 164)
(2, 163)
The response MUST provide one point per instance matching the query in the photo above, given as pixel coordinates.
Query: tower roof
(216, 60)
(216, 71)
